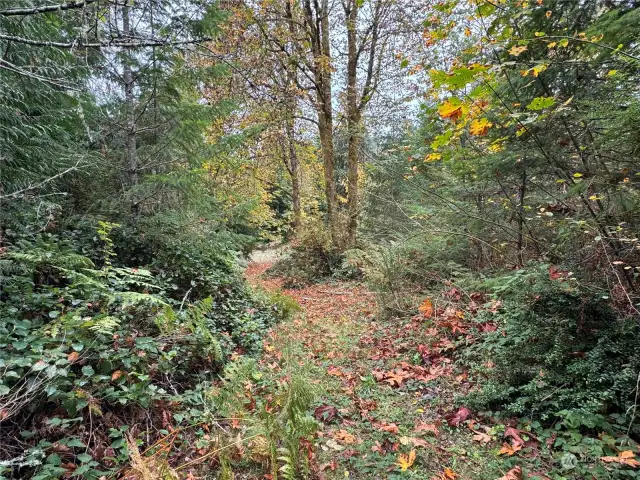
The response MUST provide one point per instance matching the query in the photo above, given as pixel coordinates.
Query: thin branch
(114, 42)
(21, 193)
(45, 8)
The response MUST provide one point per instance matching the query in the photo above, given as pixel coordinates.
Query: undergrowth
(91, 349)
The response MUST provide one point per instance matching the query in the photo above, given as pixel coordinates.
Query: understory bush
(556, 346)
(90, 341)
(311, 257)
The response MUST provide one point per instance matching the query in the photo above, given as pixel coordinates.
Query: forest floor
(385, 411)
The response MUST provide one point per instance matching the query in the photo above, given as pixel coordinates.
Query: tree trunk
(318, 30)
(353, 122)
(521, 193)
(130, 148)
(294, 171)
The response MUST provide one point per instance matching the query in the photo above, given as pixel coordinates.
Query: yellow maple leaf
(517, 50)
(406, 461)
(432, 157)
(480, 127)
(450, 110)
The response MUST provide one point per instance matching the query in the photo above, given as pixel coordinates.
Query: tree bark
(131, 159)
(353, 121)
(318, 32)
(521, 193)
(294, 172)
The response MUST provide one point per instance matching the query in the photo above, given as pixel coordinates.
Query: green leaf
(540, 103)
(88, 370)
(84, 457)
(75, 442)
(39, 365)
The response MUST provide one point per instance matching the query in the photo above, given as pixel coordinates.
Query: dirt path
(381, 385)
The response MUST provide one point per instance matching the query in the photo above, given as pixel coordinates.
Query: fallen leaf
(450, 474)
(388, 427)
(447, 474)
(623, 458)
(509, 449)
(325, 413)
(427, 427)
(331, 443)
(455, 419)
(513, 474)
(426, 308)
(116, 375)
(513, 433)
(72, 357)
(345, 437)
(482, 437)
(415, 441)
(406, 461)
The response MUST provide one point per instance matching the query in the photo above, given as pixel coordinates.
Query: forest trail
(380, 406)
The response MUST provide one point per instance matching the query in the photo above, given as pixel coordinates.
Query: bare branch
(45, 8)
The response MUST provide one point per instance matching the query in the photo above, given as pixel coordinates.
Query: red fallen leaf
(72, 357)
(453, 293)
(488, 327)
(455, 419)
(116, 375)
(335, 371)
(513, 474)
(58, 448)
(513, 433)
(325, 413)
(251, 404)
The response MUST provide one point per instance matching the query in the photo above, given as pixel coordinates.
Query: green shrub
(311, 257)
(556, 347)
(78, 341)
